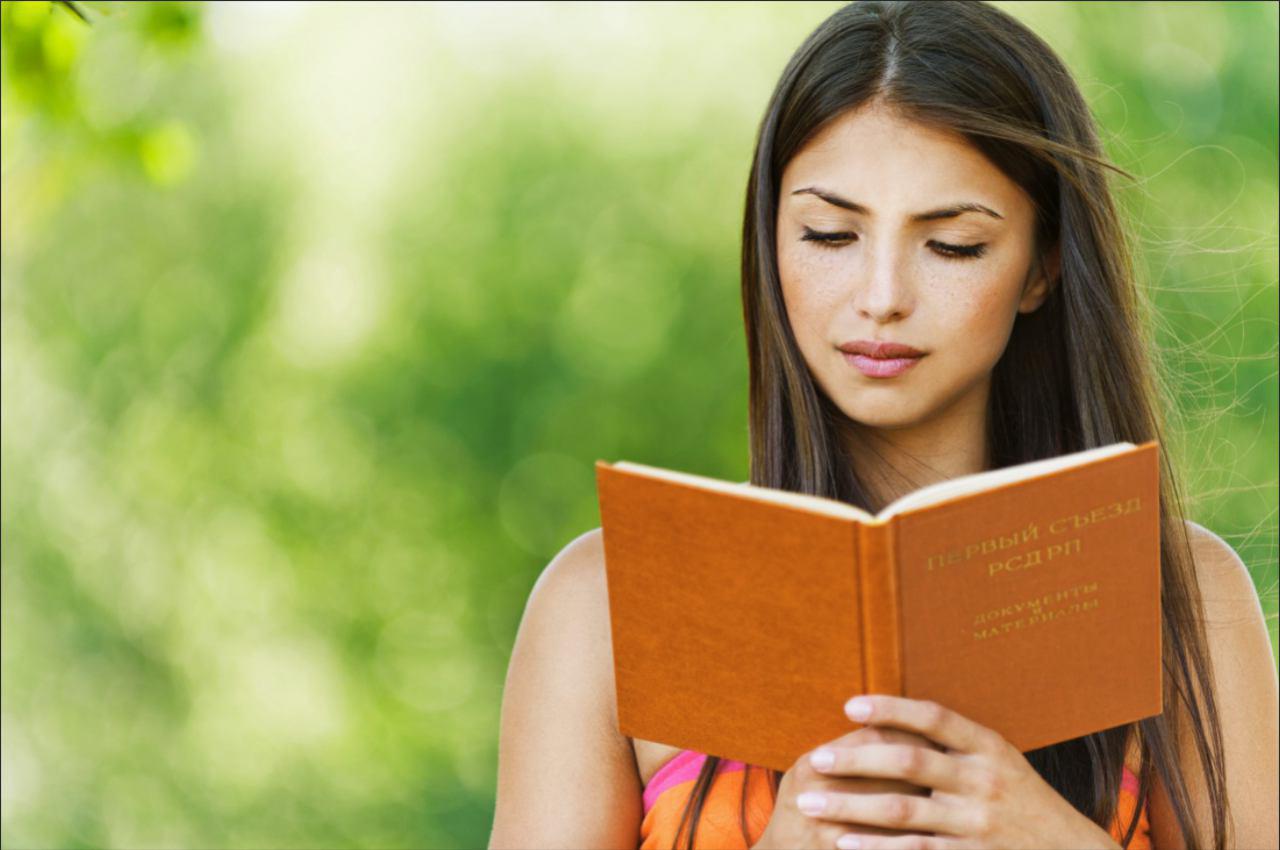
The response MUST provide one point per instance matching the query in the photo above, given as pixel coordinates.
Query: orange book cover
(743, 618)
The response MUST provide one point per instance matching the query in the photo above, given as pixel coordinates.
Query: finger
(883, 735)
(918, 765)
(907, 841)
(892, 811)
(936, 722)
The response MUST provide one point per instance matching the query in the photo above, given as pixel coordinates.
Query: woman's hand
(985, 794)
(788, 827)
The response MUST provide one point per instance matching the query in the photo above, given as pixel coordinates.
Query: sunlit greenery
(315, 319)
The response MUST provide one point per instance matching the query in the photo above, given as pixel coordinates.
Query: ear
(1041, 280)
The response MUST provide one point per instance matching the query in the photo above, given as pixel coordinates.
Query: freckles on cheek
(978, 323)
(802, 316)
(811, 307)
(816, 287)
(977, 304)
(974, 309)
(809, 295)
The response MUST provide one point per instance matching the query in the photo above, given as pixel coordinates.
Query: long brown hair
(1075, 373)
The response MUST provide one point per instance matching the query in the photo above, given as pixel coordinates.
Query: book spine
(881, 612)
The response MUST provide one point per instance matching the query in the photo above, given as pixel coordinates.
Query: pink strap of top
(687, 764)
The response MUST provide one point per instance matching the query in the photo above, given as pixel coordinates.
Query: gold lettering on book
(985, 547)
(1035, 557)
(1102, 513)
(1036, 611)
(1031, 533)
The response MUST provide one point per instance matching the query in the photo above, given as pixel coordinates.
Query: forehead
(896, 167)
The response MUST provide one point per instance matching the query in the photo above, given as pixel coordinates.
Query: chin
(884, 416)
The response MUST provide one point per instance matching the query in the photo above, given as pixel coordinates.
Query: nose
(885, 293)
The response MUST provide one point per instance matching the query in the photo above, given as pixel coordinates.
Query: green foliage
(315, 320)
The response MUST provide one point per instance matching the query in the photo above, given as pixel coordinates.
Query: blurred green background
(315, 319)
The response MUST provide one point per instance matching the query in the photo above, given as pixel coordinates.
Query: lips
(880, 359)
(879, 350)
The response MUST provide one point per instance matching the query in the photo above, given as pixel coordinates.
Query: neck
(892, 462)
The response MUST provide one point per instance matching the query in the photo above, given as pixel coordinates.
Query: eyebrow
(944, 212)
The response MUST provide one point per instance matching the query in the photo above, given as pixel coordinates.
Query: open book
(1025, 598)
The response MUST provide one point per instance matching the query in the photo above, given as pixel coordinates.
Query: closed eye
(826, 239)
(977, 249)
(838, 239)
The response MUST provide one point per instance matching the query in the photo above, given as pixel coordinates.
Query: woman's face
(890, 275)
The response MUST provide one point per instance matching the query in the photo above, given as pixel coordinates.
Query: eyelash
(951, 252)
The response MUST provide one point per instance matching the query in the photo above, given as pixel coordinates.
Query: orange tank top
(719, 827)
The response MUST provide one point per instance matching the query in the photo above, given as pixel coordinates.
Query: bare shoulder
(568, 614)
(566, 776)
(576, 574)
(1224, 579)
(1245, 694)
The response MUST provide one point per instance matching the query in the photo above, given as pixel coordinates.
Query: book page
(803, 501)
(933, 494)
(979, 481)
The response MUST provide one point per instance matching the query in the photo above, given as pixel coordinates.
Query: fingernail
(812, 802)
(858, 708)
(822, 759)
(848, 842)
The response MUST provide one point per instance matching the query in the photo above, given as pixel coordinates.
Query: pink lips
(880, 359)
(874, 367)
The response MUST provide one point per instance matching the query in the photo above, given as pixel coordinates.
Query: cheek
(976, 312)
(812, 294)
(979, 304)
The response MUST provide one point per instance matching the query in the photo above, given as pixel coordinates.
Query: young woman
(935, 282)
